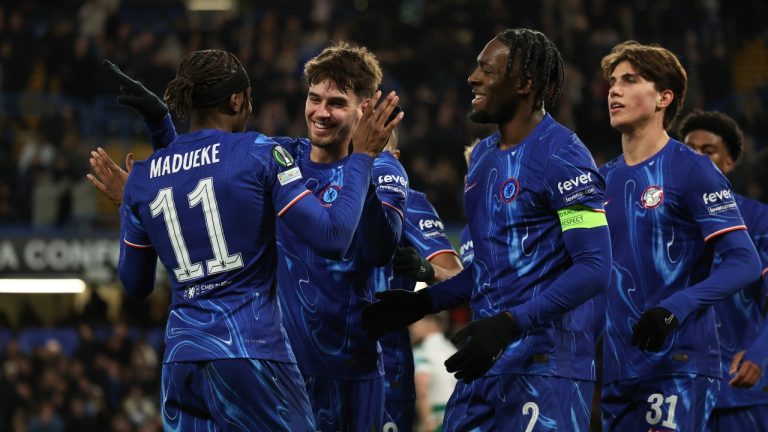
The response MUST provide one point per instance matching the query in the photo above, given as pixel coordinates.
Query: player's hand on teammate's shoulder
(134, 95)
(108, 178)
(373, 127)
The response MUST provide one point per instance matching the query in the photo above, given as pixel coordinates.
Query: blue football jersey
(207, 204)
(322, 298)
(660, 214)
(423, 230)
(511, 201)
(740, 318)
(466, 248)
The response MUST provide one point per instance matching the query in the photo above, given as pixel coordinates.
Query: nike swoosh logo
(469, 186)
(669, 319)
(605, 203)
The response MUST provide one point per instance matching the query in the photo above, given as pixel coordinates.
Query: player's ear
(237, 102)
(664, 99)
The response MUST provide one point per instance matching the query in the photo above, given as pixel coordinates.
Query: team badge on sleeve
(329, 195)
(652, 197)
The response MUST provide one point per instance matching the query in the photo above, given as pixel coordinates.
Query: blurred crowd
(57, 103)
(89, 384)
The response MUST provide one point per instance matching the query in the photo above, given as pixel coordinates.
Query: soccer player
(323, 298)
(669, 210)
(425, 255)
(534, 204)
(228, 364)
(742, 404)
(434, 384)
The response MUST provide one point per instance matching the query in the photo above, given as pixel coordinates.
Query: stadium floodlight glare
(41, 286)
(209, 5)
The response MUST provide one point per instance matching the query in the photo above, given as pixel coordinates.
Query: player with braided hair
(227, 363)
(534, 206)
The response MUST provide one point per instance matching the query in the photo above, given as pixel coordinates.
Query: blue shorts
(741, 419)
(346, 405)
(236, 395)
(520, 402)
(399, 415)
(673, 403)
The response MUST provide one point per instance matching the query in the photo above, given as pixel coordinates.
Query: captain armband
(581, 216)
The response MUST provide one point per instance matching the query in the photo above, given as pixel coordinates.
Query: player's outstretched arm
(408, 262)
(108, 178)
(739, 268)
(137, 263)
(384, 210)
(396, 309)
(134, 95)
(148, 105)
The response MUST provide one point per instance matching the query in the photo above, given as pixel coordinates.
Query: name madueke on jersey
(174, 163)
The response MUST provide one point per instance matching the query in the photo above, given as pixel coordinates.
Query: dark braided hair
(540, 61)
(199, 79)
(717, 123)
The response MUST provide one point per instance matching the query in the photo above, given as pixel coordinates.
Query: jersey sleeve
(710, 200)
(132, 231)
(423, 228)
(571, 178)
(466, 247)
(384, 211)
(328, 231)
(161, 133)
(391, 182)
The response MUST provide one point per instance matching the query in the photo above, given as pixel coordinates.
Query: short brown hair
(351, 68)
(655, 64)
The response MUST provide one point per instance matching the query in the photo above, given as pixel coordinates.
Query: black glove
(394, 310)
(482, 342)
(133, 94)
(409, 263)
(653, 328)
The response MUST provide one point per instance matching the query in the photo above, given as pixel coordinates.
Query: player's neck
(328, 154)
(639, 145)
(211, 122)
(515, 130)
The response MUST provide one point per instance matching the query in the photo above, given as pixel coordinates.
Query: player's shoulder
(416, 196)
(612, 164)
(752, 208)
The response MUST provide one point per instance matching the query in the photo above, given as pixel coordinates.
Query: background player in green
(742, 403)
(227, 363)
(533, 201)
(424, 255)
(669, 210)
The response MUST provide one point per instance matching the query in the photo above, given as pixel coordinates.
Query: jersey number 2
(203, 194)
